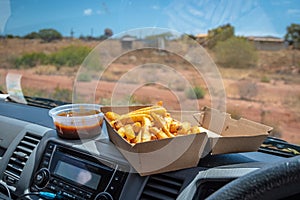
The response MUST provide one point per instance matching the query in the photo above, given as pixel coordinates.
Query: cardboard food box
(227, 135)
(221, 134)
(159, 155)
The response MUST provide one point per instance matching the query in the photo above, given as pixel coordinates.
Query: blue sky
(91, 17)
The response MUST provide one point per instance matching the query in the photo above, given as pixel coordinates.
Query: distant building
(127, 41)
(268, 43)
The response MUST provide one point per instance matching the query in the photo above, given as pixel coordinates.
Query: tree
(48, 35)
(32, 35)
(108, 32)
(236, 52)
(293, 35)
(218, 34)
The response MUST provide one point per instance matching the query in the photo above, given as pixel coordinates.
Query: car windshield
(242, 57)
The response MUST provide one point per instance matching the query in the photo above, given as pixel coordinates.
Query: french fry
(132, 118)
(116, 124)
(121, 131)
(184, 128)
(129, 132)
(153, 137)
(161, 124)
(148, 110)
(174, 126)
(195, 129)
(158, 133)
(146, 136)
(112, 115)
(138, 138)
(169, 120)
(159, 103)
(137, 127)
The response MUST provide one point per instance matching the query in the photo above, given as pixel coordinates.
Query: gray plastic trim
(214, 173)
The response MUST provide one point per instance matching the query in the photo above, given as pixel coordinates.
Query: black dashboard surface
(26, 113)
(36, 121)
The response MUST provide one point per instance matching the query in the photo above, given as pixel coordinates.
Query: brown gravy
(77, 132)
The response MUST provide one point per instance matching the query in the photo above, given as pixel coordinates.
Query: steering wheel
(280, 180)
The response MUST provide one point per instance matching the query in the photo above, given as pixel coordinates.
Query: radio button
(61, 184)
(88, 195)
(53, 187)
(45, 163)
(117, 178)
(74, 190)
(48, 155)
(50, 146)
(111, 189)
(81, 193)
(54, 181)
(67, 188)
(68, 195)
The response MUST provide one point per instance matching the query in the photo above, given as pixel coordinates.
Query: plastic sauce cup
(75, 121)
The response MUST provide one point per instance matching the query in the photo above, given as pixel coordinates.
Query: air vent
(161, 186)
(18, 159)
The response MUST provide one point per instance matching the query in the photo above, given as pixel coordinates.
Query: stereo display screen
(77, 174)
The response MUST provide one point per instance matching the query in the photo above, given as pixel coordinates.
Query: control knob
(104, 196)
(41, 178)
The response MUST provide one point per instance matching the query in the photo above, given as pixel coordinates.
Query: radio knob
(104, 196)
(41, 178)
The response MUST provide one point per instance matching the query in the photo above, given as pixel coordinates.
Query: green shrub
(236, 53)
(62, 94)
(69, 56)
(265, 79)
(30, 60)
(195, 93)
(84, 77)
(93, 63)
(218, 34)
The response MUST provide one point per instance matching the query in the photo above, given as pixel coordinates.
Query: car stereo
(78, 175)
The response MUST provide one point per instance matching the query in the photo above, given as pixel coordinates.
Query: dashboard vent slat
(161, 186)
(28, 144)
(19, 158)
(24, 149)
(32, 139)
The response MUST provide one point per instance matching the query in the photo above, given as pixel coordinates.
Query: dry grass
(236, 74)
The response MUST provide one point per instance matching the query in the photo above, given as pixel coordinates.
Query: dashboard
(36, 164)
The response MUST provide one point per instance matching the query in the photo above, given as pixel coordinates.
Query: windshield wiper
(279, 147)
(38, 101)
(41, 102)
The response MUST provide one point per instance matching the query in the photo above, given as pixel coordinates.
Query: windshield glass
(238, 56)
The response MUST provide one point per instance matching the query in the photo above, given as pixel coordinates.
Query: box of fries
(152, 140)
(227, 135)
